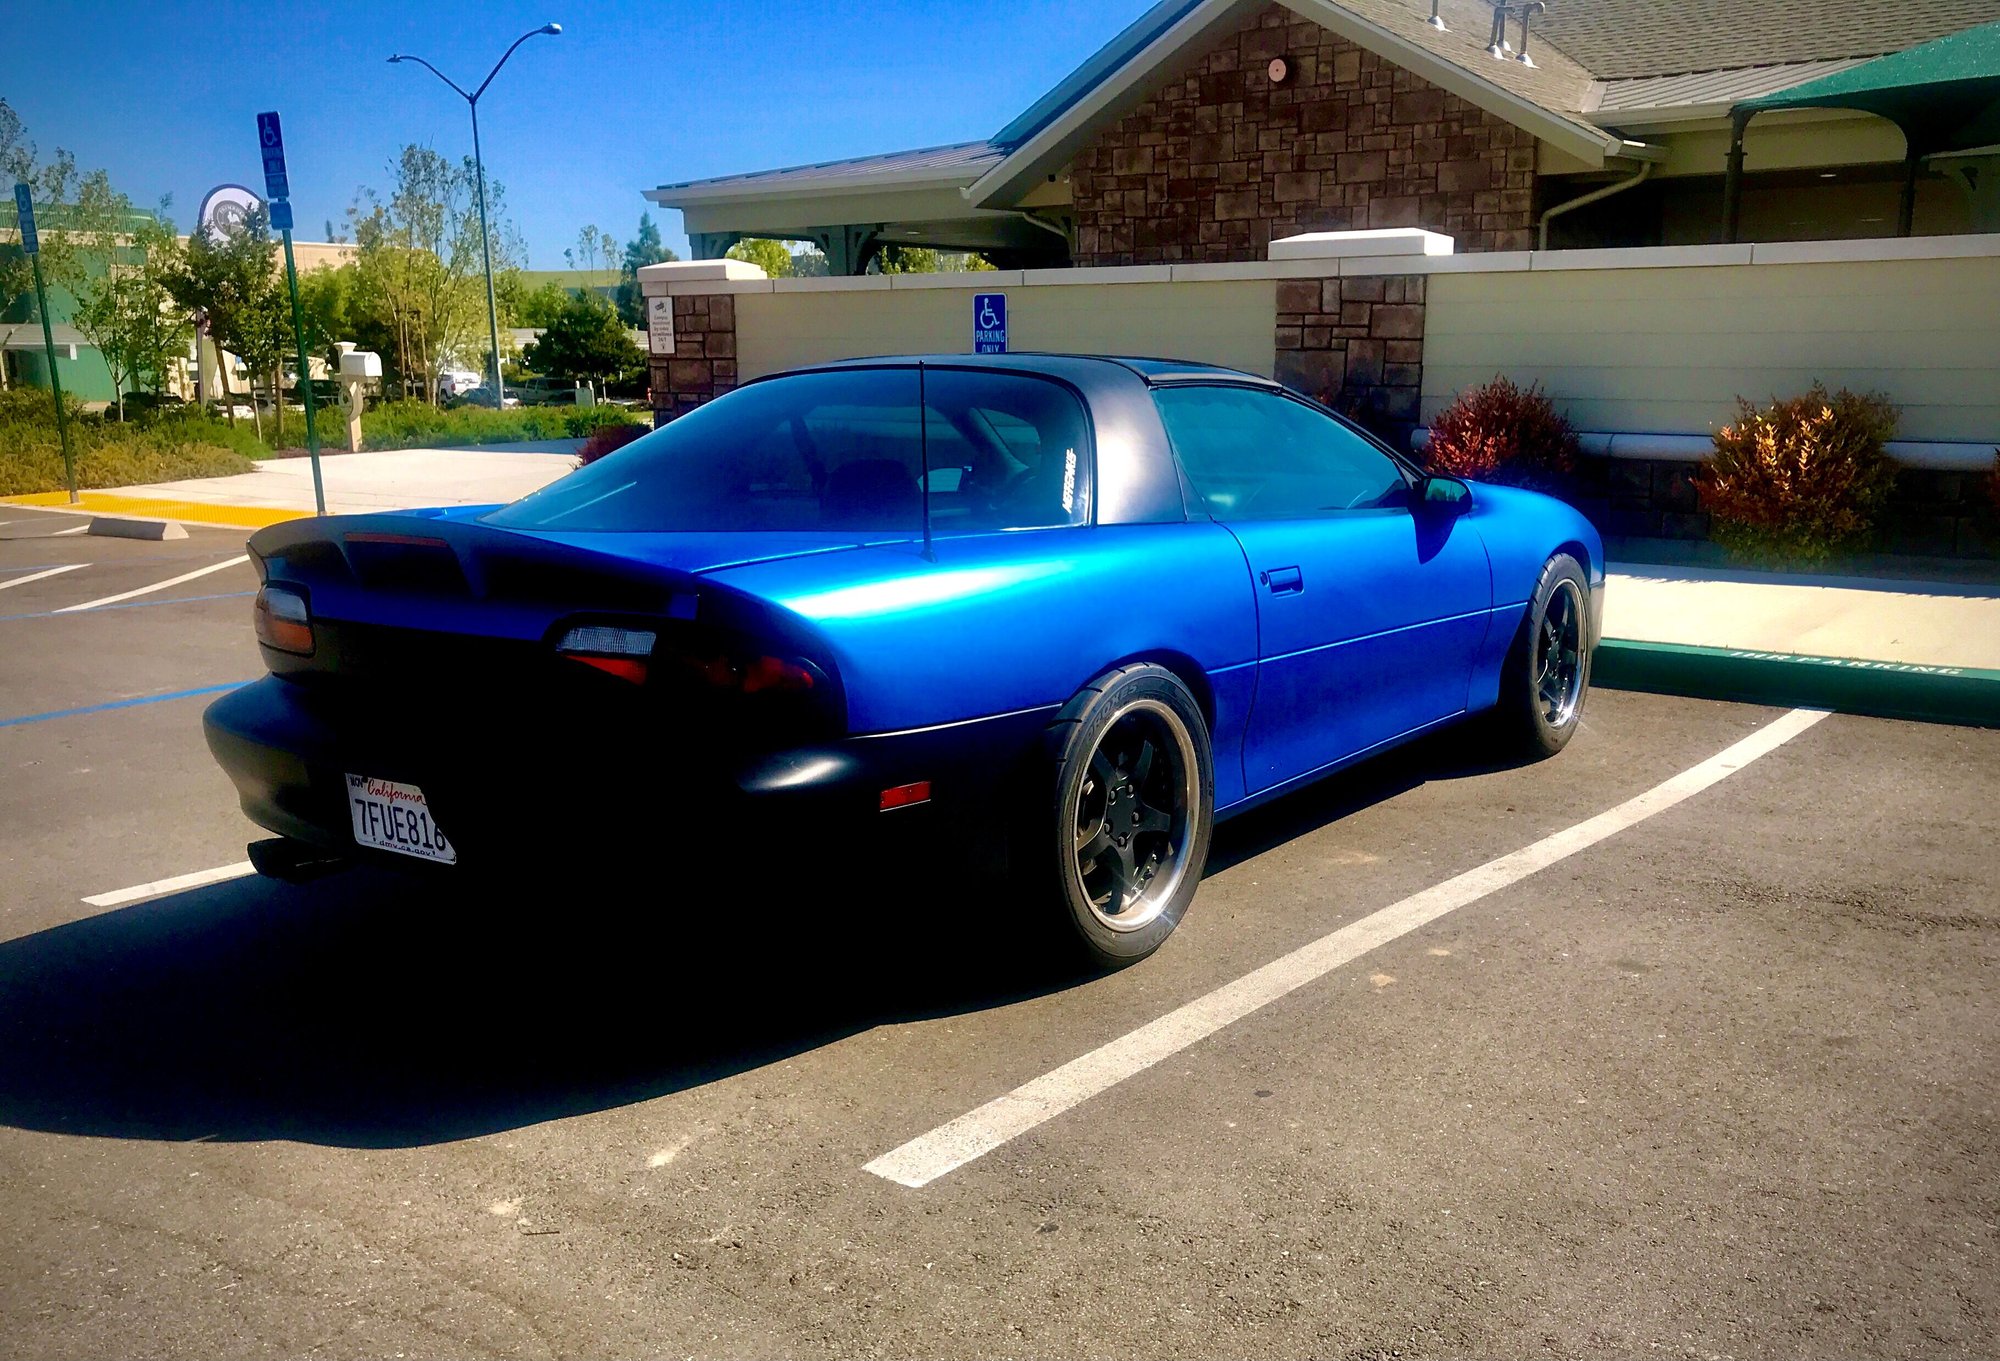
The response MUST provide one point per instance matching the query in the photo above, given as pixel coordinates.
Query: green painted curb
(1934, 694)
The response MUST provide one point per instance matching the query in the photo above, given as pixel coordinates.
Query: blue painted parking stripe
(135, 605)
(123, 704)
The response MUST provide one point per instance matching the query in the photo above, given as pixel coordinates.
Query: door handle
(1283, 580)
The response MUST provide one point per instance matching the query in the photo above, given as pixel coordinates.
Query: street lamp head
(550, 28)
(398, 57)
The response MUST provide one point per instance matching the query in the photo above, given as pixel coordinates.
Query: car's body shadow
(369, 1010)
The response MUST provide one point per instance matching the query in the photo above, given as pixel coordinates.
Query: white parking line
(121, 896)
(42, 576)
(60, 532)
(952, 1145)
(156, 586)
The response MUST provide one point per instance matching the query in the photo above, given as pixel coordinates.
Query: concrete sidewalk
(1906, 649)
(282, 488)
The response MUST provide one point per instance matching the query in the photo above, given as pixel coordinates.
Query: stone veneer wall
(1219, 162)
(703, 364)
(1931, 512)
(1356, 344)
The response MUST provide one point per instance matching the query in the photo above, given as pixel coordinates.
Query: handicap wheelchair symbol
(989, 323)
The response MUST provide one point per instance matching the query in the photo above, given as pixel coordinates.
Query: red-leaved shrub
(1500, 432)
(1800, 479)
(606, 438)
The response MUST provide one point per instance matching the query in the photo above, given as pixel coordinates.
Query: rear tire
(1546, 675)
(1124, 834)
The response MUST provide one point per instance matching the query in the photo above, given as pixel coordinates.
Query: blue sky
(165, 95)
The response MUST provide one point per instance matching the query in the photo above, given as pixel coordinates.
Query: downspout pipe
(1594, 196)
(1732, 175)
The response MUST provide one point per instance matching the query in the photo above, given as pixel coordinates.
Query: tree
(758, 250)
(422, 265)
(113, 268)
(540, 306)
(232, 280)
(642, 250)
(907, 260)
(586, 340)
(157, 329)
(52, 183)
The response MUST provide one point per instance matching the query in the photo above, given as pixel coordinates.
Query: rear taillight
(709, 662)
(283, 621)
(624, 653)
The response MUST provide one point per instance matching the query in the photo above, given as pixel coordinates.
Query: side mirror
(1440, 495)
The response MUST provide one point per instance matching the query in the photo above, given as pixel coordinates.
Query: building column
(1356, 344)
(848, 249)
(696, 363)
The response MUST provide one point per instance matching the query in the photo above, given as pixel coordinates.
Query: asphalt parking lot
(1721, 1081)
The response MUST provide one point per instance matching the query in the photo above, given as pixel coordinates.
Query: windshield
(841, 452)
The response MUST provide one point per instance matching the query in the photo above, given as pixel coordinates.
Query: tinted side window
(842, 452)
(1257, 455)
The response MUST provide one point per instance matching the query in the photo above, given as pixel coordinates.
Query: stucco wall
(1668, 349)
(1223, 323)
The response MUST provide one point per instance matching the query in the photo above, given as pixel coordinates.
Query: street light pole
(479, 176)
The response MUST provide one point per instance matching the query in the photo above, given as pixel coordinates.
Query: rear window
(841, 452)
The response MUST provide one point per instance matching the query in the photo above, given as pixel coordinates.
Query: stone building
(1209, 128)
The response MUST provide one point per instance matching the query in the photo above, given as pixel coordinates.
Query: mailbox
(360, 364)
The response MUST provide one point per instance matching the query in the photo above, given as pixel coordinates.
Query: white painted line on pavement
(119, 897)
(976, 1133)
(42, 576)
(156, 586)
(60, 532)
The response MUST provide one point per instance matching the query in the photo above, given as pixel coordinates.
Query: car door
(1369, 613)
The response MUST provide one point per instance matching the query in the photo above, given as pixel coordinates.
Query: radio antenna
(924, 458)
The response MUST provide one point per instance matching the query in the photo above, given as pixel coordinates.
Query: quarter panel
(1005, 622)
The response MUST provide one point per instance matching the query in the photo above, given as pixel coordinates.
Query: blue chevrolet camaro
(1053, 614)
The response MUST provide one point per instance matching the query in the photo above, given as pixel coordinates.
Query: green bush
(1801, 479)
(108, 454)
(418, 425)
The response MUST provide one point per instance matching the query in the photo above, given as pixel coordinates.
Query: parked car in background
(482, 396)
(457, 382)
(1050, 614)
(540, 391)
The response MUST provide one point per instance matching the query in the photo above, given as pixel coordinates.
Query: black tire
(1539, 710)
(1121, 839)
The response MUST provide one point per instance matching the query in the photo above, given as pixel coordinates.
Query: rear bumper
(507, 803)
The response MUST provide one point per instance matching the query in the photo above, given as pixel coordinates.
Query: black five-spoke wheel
(1134, 802)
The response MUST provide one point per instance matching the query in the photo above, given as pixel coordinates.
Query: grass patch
(418, 425)
(107, 454)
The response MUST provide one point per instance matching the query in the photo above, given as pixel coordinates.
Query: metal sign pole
(277, 188)
(31, 246)
(55, 380)
(305, 372)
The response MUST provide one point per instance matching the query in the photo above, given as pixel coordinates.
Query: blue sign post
(989, 323)
(278, 190)
(31, 246)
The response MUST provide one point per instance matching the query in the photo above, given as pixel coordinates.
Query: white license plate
(395, 817)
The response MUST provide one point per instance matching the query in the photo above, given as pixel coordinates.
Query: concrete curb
(1934, 694)
(117, 527)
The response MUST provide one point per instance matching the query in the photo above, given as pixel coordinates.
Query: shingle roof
(1556, 81)
(1622, 39)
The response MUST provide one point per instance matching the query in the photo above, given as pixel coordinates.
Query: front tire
(1546, 675)
(1126, 831)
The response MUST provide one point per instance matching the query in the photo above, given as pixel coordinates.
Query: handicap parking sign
(989, 323)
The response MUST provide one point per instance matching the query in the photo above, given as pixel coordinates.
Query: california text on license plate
(395, 817)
